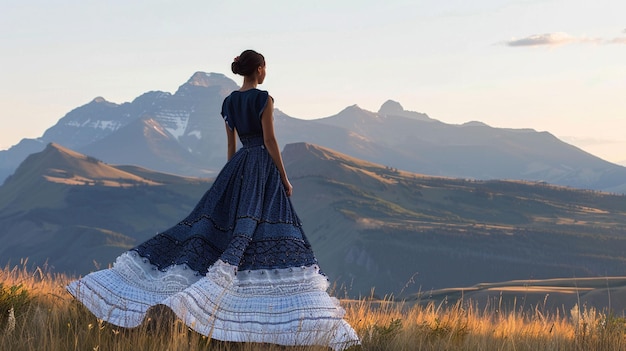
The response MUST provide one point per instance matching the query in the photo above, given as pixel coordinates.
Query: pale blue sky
(554, 65)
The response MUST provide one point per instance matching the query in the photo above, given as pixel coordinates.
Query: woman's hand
(288, 187)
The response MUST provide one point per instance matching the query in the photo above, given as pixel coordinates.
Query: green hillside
(417, 233)
(371, 226)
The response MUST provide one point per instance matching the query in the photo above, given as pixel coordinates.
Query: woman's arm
(232, 141)
(269, 139)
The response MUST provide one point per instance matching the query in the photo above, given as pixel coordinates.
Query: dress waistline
(252, 141)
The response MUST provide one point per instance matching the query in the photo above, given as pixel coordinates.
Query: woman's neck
(249, 83)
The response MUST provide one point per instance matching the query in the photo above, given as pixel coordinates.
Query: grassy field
(37, 314)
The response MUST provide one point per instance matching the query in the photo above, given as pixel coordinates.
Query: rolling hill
(416, 233)
(372, 226)
(70, 211)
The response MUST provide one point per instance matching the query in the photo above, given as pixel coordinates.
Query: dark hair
(246, 63)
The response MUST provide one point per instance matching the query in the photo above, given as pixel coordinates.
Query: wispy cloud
(560, 38)
(621, 40)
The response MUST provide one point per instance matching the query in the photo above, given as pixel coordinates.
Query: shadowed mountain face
(183, 133)
(475, 150)
(371, 226)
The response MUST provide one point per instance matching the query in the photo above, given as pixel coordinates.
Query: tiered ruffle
(286, 306)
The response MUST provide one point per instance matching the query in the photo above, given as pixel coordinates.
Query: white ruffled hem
(287, 306)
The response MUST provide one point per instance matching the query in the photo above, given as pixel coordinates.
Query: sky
(553, 65)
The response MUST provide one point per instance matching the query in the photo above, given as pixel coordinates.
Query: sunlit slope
(547, 295)
(62, 166)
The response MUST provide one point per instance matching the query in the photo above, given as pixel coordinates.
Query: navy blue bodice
(242, 110)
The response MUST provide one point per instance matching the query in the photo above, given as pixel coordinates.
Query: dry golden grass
(47, 318)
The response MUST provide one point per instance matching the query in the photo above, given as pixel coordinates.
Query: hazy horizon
(553, 65)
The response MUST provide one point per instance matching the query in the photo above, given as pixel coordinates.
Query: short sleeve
(261, 101)
(226, 113)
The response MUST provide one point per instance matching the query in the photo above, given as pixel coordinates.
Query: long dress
(238, 268)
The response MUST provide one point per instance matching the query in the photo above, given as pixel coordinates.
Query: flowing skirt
(238, 268)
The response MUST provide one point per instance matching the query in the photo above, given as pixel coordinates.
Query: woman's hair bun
(235, 67)
(247, 63)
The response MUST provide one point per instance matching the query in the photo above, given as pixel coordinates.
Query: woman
(239, 267)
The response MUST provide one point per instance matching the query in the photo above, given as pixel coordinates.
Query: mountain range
(391, 200)
(372, 226)
(182, 133)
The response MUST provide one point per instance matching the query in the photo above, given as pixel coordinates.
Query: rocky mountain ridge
(182, 133)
